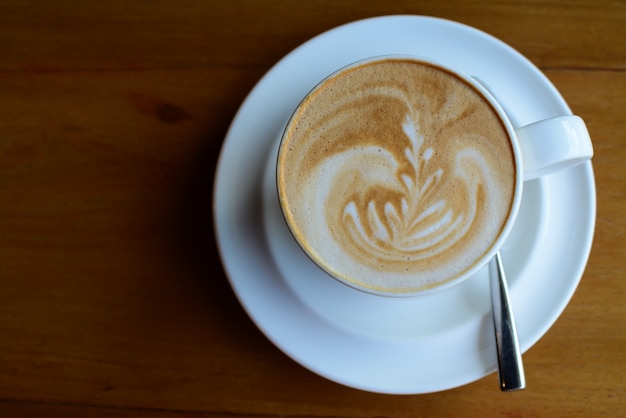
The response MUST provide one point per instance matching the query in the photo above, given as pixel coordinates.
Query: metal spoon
(510, 367)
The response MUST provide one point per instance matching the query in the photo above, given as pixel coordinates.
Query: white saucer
(400, 346)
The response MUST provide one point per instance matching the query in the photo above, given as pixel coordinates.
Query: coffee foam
(396, 175)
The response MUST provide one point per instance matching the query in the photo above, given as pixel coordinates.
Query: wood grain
(113, 300)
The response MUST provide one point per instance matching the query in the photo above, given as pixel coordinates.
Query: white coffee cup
(354, 116)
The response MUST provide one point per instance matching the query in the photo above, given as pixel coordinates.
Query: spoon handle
(510, 367)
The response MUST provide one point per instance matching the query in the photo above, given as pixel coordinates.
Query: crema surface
(396, 175)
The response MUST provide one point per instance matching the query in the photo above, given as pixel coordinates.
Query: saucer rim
(586, 172)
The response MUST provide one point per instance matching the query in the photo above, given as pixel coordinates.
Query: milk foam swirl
(421, 226)
(396, 184)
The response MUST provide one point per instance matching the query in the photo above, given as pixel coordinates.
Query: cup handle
(553, 144)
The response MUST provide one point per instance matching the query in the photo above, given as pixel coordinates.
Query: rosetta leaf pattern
(420, 223)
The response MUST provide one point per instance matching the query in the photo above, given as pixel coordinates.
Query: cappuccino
(396, 175)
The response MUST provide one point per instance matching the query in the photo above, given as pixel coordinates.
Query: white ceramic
(539, 148)
(389, 345)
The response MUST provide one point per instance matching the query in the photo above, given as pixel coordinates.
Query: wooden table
(113, 301)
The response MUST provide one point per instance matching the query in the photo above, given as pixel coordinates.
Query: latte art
(396, 175)
(416, 226)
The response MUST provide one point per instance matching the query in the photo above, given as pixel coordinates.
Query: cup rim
(497, 244)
